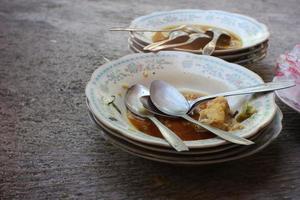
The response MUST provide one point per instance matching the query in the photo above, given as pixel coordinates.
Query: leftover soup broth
(184, 129)
(235, 41)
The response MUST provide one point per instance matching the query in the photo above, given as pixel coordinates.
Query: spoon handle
(210, 47)
(169, 135)
(167, 46)
(222, 134)
(137, 30)
(155, 44)
(146, 30)
(265, 87)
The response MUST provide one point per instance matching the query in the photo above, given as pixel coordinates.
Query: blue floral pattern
(116, 75)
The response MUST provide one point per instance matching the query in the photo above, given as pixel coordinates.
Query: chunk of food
(246, 112)
(217, 113)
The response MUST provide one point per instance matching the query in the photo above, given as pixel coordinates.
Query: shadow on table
(233, 179)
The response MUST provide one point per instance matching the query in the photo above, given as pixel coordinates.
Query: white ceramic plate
(265, 138)
(293, 105)
(285, 96)
(248, 29)
(204, 74)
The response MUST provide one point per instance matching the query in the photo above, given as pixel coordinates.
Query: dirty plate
(250, 31)
(202, 74)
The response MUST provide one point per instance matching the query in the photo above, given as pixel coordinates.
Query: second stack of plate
(253, 34)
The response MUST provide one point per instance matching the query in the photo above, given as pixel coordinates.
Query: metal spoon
(133, 103)
(217, 33)
(148, 30)
(148, 104)
(174, 37)
(170, 101)
(265, 87)
(185, 28)
(192, 38)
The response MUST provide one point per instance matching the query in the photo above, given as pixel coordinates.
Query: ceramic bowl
(248, 29)
(186, 71)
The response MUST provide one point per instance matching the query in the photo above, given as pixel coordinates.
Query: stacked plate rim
(254, 35)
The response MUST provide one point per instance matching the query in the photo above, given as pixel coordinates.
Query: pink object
(288, 67)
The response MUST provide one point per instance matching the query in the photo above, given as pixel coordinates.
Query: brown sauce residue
(184, 129)
(235, 41)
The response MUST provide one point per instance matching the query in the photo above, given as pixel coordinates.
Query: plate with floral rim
(250, 31)
(186, 71)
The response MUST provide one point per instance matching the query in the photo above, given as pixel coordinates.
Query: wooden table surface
(49, 149)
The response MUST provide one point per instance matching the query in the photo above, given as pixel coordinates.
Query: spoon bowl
(167, 98)
(133, 103)
(148, 104)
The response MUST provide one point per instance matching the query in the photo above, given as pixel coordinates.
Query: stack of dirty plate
(198, 73)
(252, 34)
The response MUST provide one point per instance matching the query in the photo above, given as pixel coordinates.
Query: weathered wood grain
(50, 150)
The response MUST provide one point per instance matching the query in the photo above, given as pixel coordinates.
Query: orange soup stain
(184, 129)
